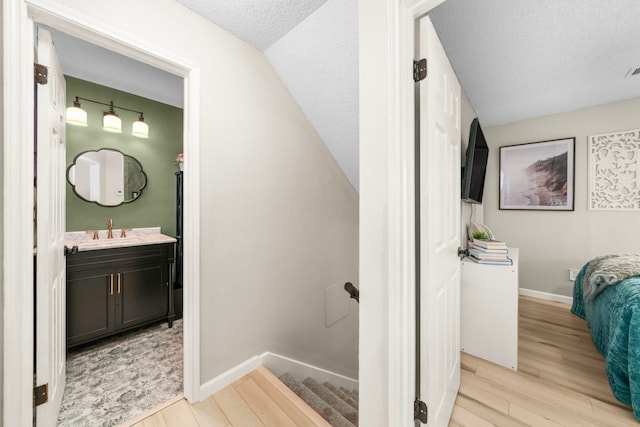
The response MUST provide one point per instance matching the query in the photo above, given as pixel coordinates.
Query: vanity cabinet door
(114, 290)
(142, 294)
(90, 304)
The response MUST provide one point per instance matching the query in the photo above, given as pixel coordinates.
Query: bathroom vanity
(117, 284)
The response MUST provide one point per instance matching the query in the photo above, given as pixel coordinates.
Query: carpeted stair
(335, 404)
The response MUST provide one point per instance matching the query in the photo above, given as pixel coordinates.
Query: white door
(50, 263)
(439, 233)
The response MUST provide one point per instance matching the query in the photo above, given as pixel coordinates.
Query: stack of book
(489, 252)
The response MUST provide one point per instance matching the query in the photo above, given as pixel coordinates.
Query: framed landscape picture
(538, 175)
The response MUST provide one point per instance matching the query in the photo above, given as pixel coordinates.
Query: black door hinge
(73, 250)
(420, 411)
(40, 394)
(41, 74)
(419, 70)
(463, 252)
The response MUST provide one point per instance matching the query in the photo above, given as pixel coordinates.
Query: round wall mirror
(106, 177)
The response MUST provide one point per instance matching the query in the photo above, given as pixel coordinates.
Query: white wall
(318, 61)
(279, 219)
(552, 242)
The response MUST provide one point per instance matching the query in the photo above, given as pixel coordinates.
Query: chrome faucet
(110, 225)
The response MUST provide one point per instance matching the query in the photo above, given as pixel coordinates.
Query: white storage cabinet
(489, 311)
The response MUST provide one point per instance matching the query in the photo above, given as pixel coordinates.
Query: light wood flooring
(255, 400)
(561, 381)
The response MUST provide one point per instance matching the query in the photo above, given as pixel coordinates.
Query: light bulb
(140, 129)
(75, 115)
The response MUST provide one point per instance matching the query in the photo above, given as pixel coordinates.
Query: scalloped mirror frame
(104, 179)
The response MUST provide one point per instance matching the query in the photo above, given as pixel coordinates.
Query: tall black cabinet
(177, 287)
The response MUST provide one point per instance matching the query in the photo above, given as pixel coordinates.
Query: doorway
(115, 377)
(18, 38)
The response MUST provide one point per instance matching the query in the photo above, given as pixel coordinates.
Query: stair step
(353, 393)
(332, 400)
(344, 395)
(332, 416)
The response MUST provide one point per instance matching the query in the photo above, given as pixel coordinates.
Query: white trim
(76, 24)
(191, 224)
(279, 364)
(401, 251)
(18, 189)
(224, 379)
(546, 296)
(17, 215)
(401, 240)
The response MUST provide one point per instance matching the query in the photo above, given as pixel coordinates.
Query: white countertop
(135, 237)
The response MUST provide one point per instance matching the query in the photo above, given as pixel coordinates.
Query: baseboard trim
(279, 364)
(226, 378)
(546, 296)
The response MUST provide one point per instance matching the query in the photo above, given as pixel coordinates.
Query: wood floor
(561, 381)
(255, 400)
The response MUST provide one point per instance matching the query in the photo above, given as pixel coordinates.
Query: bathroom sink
(105, 243)
(118, 242)
(114, 241)
(136, 237)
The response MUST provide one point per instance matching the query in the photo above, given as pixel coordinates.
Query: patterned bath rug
(118, 378)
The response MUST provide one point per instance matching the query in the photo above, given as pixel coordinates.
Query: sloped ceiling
(258, 22)
(318, 62)
(313, 46)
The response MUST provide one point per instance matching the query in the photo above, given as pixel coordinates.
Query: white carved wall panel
(614, 171)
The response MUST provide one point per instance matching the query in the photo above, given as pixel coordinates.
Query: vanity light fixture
(140, 128)
(111, 122)
(76, 115)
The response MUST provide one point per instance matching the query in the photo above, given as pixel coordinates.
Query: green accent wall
(157, 204)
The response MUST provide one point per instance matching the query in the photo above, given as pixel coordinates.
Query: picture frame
(538, 176)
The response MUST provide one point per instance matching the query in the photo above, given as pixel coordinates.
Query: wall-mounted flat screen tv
(475, 165)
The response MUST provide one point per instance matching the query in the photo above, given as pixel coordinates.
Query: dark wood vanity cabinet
(112, 290)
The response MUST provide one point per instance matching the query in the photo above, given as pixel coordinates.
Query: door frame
(387, 227)
(19, 18)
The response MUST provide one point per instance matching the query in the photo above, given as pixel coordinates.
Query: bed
(611, 307)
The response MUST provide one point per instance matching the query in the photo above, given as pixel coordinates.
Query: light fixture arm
(110, 105)
(110, 121)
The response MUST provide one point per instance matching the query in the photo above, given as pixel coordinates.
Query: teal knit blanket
(614, 321)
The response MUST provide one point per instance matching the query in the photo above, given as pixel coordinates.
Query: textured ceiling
(518, 59)
(258, 22)
(327, 92)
